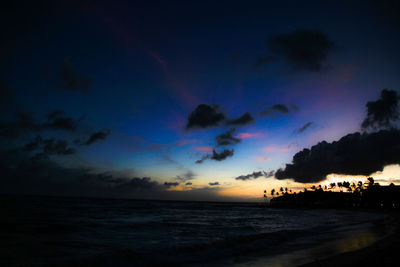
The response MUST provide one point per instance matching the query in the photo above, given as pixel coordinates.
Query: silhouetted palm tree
(359, 185)
(370, 182)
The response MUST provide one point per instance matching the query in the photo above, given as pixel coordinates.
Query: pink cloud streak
(262, 159)
(280, 148)
(203, 148)
(250, 135)
(187, 141)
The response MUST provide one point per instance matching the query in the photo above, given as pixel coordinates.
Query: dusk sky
(195, 100)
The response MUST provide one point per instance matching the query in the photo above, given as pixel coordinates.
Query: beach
(376, 244)
(382, 252)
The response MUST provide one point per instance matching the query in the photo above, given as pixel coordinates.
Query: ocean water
(37, 231)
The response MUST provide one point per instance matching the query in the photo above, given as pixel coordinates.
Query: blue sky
(150, 64)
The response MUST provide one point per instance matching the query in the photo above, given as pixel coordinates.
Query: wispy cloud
(250, 135)
(186, 141)
(255, 175)
(262, 159)
(302, 49)
(303, 128)
(218, 156)
(280, 148)
(189, 175)
(203, 148)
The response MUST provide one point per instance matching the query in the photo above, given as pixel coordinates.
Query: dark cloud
(199, 161)
(189, 183)
(245, 119)
(272, 110)
(48, 147)
(71, 81)
(353, 154)
(226, 139)
(170, 184)
(303, 128)
(58, 120)
(20, 174)
(63, 124)
(94, 137)
(281, 108)
(269, 174)
(213, 184)
(118, 184)
(205, 116)
(382, 113)
(59, 147)
(135, 183)
(255, 175)
(302, 49)
(24, 175)
(24, 123)
(34, 144)
(224, 154)
(189, 175)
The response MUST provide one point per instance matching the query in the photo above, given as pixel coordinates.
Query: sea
(64, 231)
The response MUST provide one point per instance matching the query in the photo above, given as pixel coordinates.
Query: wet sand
(373, 245)
(383, 252)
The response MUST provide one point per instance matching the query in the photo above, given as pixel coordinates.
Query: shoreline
(382, 252)
(328, 250)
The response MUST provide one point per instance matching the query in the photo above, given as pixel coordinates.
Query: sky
(197, 100)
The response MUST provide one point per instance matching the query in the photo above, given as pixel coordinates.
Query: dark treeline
(340, 195)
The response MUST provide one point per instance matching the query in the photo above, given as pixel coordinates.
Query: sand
(383, 252)
(365, 246)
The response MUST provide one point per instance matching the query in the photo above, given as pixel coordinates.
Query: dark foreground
(383, 252)
(58, 231)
